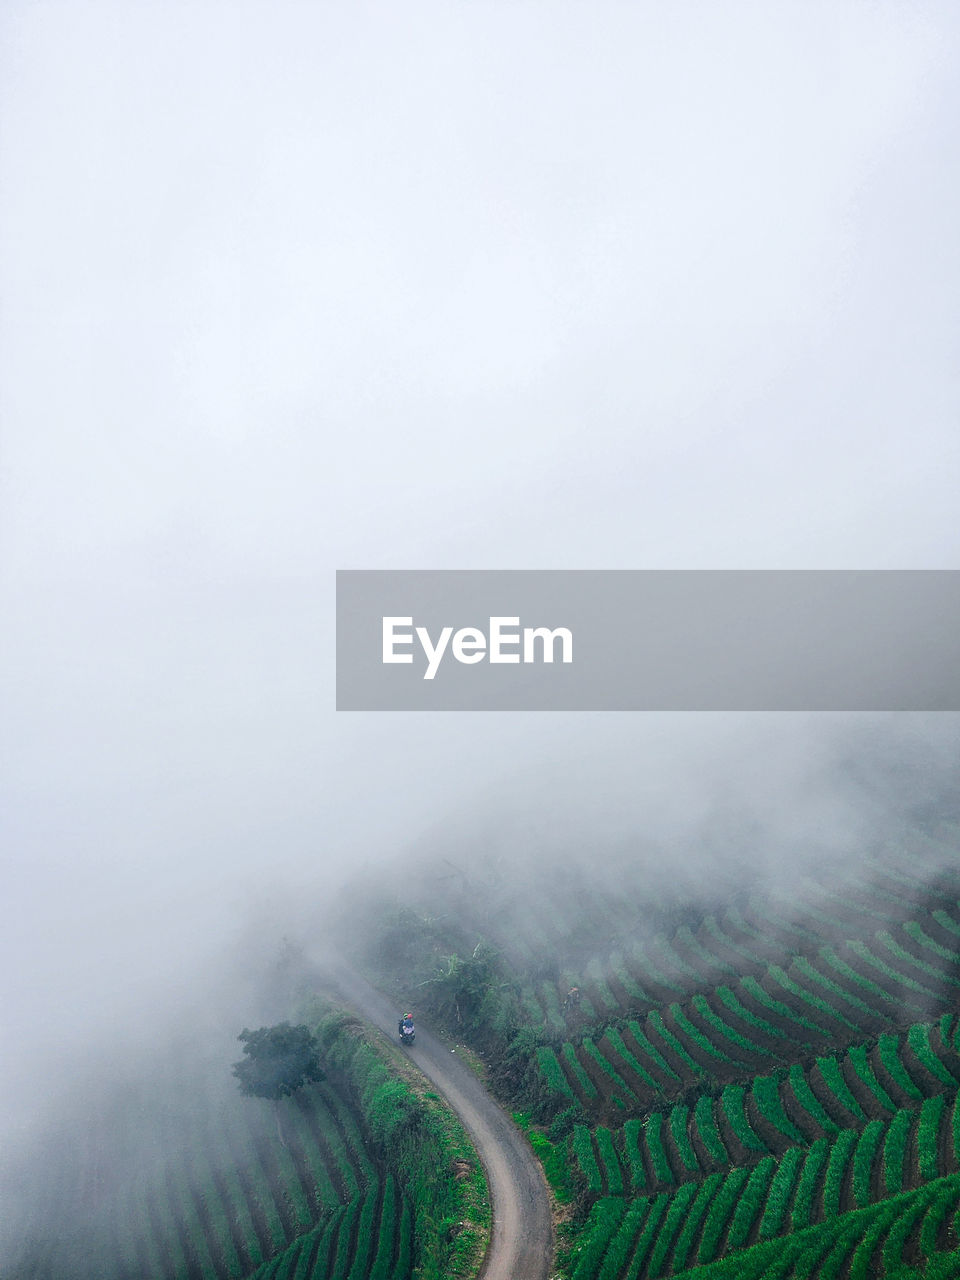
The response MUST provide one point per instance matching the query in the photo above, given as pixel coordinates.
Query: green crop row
(695, 1036)
(781, 1191)
(619, 1250)
(808, 1184)
(720, 1213)
(706, 1125)
(928, 1129)
(937, 972)
(643, 1149)
(605, 1217)
(552, 1072)
(657, 1024)
(655, 1237)
(863, 1162)
(894, 1151)
(888, 1049)
(606, 1067)
(693, 1220)
(610, 1160)
(732, 1101)
(632, 1136)
(817, 1003)
(735, 1006)
(832, 1077)
(615, 1040)
(766, 1095)
(677, 1210)
(840, 1152)
(751, 1202)
(865, 1072)
(887, 970)
(699, 1002)
(918, 1038)
(653, 1133)
(582, 1146)
(650, 1050)
(679, 1121)
(583, 1081)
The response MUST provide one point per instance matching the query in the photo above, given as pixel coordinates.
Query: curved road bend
(521, 1242)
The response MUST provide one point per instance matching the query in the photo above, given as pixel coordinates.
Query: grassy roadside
(420, 1140)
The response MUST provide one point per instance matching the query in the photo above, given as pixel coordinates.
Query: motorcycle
(407, 1031)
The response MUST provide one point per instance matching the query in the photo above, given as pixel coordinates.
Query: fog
(441, 286)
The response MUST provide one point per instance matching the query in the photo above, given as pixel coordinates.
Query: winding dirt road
(521, 1243)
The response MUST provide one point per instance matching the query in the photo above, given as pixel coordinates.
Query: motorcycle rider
(405, 1025)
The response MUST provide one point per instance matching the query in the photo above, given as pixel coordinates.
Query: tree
(278, 1060)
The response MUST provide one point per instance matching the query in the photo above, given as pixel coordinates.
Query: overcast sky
(289, 288)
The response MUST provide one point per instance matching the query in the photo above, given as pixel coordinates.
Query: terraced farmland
(233, 1189)
(768, 1085)
(791, 1081)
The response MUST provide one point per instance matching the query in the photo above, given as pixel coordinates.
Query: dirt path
(521, 1245)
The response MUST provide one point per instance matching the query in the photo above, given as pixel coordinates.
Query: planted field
(246, 1187)
(791, 1112)
(828, 1185)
